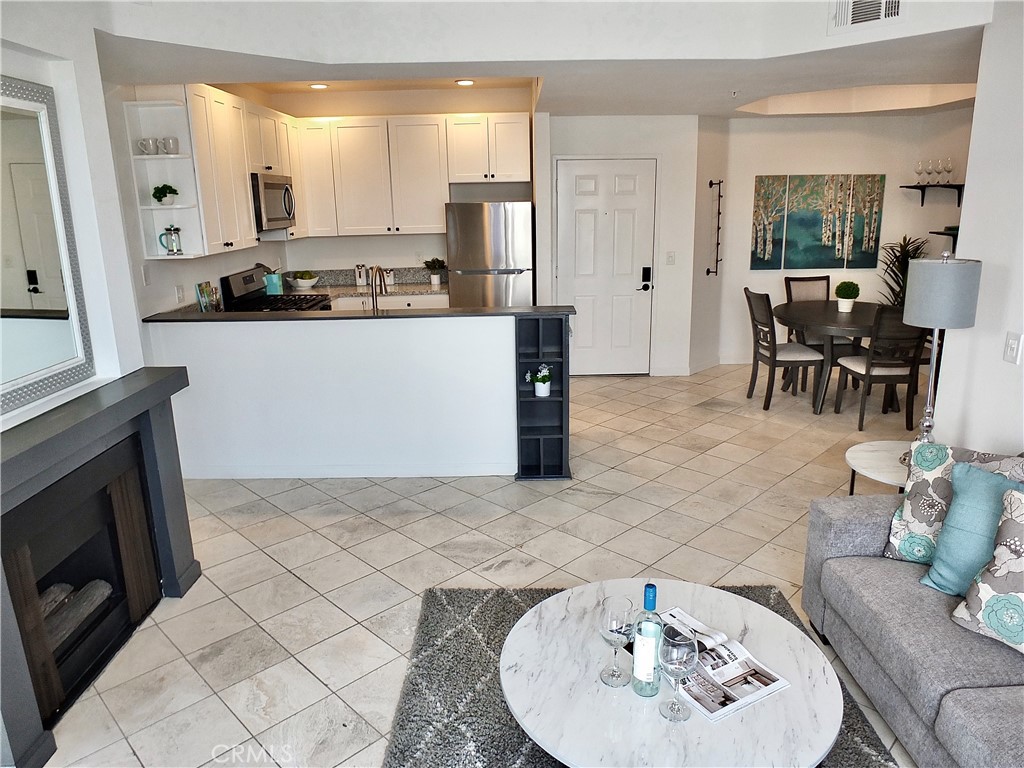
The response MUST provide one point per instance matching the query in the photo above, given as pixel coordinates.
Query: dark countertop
(236, 317)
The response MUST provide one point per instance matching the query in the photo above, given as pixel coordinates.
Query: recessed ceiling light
(317, 86)
(464, 82)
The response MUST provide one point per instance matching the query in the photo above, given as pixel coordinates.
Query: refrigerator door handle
(489, 271)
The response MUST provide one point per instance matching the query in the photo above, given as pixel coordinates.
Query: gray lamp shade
(942, 294)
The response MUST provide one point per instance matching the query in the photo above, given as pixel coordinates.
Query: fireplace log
(54, 597)
(61, 624)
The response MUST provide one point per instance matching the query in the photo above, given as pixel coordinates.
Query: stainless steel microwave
(273, 201)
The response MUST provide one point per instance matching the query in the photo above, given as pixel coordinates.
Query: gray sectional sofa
(953, 697)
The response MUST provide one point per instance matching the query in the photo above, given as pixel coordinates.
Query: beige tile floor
(292, 647)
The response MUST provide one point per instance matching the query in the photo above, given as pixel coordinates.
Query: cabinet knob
(268, 167)
(389, 229)
(257, 240)
(397, 229)
(492, 175)
(485, 175)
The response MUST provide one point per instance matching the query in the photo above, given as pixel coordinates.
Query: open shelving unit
(159, 118)
(922, 188)
(543, 422)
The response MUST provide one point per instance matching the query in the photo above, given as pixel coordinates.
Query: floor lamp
(941, 293)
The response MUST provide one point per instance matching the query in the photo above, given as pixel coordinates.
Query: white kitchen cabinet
(390, 174)
(217, 121)
(261, 132)
(419, 173)
(301, 229)
(351, 303)
(422, 301)
(488, 147)
(362, 175)
(316, 199)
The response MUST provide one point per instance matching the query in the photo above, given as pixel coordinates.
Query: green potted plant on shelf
(541, 381)
(895, 264)
(846, 292)
(164, 194)
(436, 267)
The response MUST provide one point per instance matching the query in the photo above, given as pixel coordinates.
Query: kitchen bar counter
(405, 393)
(187, 316)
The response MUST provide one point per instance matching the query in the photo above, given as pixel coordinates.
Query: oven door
(273, 201)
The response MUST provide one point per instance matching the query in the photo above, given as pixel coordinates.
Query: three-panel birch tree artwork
(828, 221)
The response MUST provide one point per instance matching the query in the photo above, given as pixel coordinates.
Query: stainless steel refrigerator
(490, 254)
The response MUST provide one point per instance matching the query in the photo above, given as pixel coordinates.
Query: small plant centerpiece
(164, 194)
(436, 267)
(896, 259)
(846, 292)
(541, 381)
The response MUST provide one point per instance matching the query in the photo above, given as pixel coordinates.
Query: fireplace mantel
(41, 451)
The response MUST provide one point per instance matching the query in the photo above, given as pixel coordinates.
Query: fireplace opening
(80, 564)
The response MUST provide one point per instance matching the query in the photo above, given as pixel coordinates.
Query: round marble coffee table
(879, 460)
(549, 675)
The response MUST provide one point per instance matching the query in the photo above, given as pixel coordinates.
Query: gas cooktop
(286, 303)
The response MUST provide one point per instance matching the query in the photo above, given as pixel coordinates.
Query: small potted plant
(846, 292)
(436, 267)
(164, 194)
(541, 381)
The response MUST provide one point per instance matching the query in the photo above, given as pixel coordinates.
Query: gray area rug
(451, 712)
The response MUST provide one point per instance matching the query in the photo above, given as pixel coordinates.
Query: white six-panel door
(605, 221)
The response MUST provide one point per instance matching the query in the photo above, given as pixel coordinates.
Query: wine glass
(678, 656)
(938, 171)
(919, 170)
(947, 166)
(616, 624)
(930, 170)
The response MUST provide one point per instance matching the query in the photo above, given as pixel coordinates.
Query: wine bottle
(646, 642)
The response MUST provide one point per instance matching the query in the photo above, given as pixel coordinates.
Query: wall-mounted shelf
(165, 257)
(543, 422)
(922, 188)
(946, 233)
(162, 157)
(174, 207)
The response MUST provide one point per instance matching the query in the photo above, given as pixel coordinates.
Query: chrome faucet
(377, 274)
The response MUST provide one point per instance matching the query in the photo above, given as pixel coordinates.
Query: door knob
(34, 289)
(644, 287)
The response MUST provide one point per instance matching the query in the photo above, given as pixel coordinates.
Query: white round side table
(879, 460)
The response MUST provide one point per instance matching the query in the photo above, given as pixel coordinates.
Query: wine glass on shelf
(930, 170)
(616, 624)
(947, 166)
(939, 171)
(919, 170)
(678, 656)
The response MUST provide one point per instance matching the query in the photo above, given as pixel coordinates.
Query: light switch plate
(1011, 350)
(179, 293)
(670, 258)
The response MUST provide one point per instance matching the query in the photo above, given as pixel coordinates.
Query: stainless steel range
(245, 292)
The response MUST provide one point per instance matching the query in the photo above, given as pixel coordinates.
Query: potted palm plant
(436, 267)
(895, 263)
(846, 292)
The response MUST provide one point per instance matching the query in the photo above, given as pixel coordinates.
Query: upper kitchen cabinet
(218, 129)
(390, 174)
(489, 147)
(267, 140)
(315, 196)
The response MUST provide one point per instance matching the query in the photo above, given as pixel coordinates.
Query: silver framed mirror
(43, 320)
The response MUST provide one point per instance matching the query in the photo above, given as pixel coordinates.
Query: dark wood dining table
(825, 319)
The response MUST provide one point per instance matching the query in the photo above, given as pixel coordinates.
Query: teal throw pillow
(967, 538)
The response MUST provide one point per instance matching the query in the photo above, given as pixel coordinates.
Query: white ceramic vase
(435, 280)
(168, 200)
(542, 389)
(845, 305)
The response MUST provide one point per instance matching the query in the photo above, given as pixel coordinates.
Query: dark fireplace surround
(94, 531)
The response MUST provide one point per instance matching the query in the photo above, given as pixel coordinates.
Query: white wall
(345, 252)
(981, 398)
(812, 145)
(712, 154)
(672, 141)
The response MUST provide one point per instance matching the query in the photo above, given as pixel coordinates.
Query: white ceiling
(600, 87)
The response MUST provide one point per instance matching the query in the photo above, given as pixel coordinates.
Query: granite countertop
(399, 289)
(194, 316)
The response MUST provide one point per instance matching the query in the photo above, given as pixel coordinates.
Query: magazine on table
(728, 678)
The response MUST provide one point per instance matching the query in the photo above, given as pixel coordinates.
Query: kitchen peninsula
(397, 393)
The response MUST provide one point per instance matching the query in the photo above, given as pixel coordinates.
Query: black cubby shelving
(543, 422)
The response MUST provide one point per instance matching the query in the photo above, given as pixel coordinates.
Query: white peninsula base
(362, 397)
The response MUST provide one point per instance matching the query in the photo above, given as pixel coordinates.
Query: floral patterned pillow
(929, 491)
(994, 604)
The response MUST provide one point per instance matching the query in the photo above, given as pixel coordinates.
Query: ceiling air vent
(847, 14)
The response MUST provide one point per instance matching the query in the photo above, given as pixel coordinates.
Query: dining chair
(894, 357)
(789, 355)
(815, 288)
